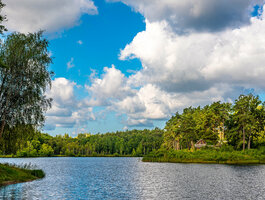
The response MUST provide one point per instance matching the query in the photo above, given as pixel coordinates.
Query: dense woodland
(238, 126)
(25, 141)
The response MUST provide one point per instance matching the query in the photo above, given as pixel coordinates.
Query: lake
(129, 178)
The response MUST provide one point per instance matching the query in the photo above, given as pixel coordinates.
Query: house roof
(201, 141)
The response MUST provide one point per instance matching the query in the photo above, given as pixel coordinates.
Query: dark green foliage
(225, 156)
(225, 127)
(14, 138)
(128, 143)
(38, 173)
(24, 78)
(238, 125)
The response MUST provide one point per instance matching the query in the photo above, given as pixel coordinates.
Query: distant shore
(59, 156)
(207, 156)
(199, 161)
(10, 174)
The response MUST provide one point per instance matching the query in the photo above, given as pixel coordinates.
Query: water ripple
(127, 178)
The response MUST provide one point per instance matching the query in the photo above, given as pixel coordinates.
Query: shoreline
(6, 183)
(65, 156)
(158, 160)
(10, 174)
(199, 161)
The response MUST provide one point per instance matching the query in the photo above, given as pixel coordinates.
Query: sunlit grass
(11, 173)
(221, 156)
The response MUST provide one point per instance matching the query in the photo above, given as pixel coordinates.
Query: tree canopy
(24, 78)
(25, 141)
(218, 123)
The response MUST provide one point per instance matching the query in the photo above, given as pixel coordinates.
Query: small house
(201, 143)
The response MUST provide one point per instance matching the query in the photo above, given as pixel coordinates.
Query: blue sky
(102, 36)
(124, 64)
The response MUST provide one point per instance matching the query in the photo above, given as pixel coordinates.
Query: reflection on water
(129, 178)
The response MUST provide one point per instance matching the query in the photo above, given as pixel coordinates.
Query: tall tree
(220, 113)
(24, 78)
(245, 115)
(172, 134)
(188, 127)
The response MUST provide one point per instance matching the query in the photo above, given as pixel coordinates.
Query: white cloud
(149, 102)
(183, 70)
(170, 61)
(66, 111)
(70, 64)
(196, 62)
(202, 15)
(112, 85)
(179, 70)
(49, 15)
(62, 91)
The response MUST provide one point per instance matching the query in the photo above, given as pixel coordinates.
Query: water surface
(129, 178)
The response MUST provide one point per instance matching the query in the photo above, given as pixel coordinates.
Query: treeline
(240, 125)
(26, 142)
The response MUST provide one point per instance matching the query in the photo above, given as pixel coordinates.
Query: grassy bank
(11, 174)
(207, 156)
(201, 161)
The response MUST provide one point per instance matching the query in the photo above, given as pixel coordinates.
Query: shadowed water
(129, 178)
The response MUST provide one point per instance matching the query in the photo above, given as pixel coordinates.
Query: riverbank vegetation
(213, 156)
(232, 133)
(10, 174)
(226, 130)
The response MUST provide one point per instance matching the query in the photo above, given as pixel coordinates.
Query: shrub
(227, 148)
(38, 173)
(22, 153)
(46, 150)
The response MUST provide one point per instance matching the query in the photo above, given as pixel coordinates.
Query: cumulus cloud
(198, 61)
(49, 15)
(180, 70)
(111, 86)
(208, 63)
(62, 91)
(190, 15)
(66, 111)
(166, 58)
(150, 102)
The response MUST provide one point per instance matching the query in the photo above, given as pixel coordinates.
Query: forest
(233, 133)
(240, 125)
(26, 142)
(234, 127)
